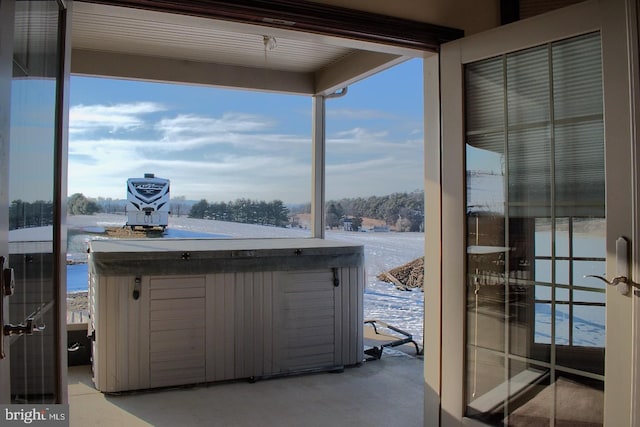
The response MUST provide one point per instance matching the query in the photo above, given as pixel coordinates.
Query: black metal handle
(27, 328)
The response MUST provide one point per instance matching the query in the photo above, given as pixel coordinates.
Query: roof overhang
(221, 44)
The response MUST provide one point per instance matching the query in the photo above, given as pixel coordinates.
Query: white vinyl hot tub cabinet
(169, 312)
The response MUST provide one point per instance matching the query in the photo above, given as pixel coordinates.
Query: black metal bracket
(136, 288)
(336, 277)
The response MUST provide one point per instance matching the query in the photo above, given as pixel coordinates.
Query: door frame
(445, 186)
(7, 24)
(633, 23)
(61, 158)
(6, 72)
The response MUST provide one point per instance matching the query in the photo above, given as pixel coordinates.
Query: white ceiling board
(104, 33)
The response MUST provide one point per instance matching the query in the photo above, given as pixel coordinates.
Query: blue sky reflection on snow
(222, 144)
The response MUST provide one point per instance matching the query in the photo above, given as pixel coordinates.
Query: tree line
(245, 211)
(30, 214)
(403, 211)
(40, 213)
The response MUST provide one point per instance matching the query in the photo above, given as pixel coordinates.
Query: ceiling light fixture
(270, 42)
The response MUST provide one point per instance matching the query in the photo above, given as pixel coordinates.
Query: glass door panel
(535, 229)
(33, 306)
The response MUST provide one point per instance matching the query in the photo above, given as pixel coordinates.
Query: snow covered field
(383, 251)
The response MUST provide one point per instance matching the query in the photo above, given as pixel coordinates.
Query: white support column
(433, 242)
(318, 167)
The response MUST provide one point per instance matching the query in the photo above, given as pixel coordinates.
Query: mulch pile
(128, 233)
(407, 276)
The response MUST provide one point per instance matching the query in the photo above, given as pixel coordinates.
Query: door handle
(7, 285)
(27, 328)
(621, 280)
(613, 282)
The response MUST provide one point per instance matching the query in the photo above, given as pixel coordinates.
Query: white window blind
(541, 109)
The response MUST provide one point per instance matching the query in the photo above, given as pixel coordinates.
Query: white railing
(77, 316)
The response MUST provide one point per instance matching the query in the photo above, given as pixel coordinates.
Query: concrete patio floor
(385, 392)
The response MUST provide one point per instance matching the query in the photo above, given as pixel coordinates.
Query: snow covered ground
(383, 251)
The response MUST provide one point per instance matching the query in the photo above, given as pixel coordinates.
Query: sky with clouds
(221, 145)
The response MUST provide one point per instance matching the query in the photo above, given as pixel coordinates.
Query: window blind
(541, 109)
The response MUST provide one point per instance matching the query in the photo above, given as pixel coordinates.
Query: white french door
(537, 197)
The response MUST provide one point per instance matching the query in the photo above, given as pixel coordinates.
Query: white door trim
(619, 167)
(634, 58)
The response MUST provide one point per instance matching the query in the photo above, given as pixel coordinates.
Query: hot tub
(170, 312)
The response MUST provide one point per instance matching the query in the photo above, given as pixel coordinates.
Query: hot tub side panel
(120, 327)
(164, 330)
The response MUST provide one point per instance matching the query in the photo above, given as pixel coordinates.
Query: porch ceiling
(119, 42)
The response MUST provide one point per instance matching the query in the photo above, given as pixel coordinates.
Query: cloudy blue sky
(221, 144)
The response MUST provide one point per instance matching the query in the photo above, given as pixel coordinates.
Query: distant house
(347, 225)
